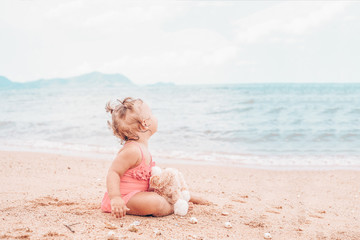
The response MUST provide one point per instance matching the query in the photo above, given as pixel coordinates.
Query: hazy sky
(182, 41)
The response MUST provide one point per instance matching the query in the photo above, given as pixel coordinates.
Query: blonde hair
(126, 121)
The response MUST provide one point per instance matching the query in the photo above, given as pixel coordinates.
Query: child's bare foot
(191, 206)
(199, 200)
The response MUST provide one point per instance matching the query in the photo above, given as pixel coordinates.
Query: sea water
(246, 124)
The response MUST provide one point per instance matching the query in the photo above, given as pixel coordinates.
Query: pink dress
(133, 181)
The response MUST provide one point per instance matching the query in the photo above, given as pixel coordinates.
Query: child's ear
(145, 123)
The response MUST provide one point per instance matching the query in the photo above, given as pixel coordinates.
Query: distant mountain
(94, 79)
(6, 83)
(86, 80)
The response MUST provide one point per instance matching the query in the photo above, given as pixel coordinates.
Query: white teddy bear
(170, 184)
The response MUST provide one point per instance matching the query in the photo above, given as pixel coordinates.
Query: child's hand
(118, 207)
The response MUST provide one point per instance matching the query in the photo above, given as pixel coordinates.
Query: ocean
(262, 125)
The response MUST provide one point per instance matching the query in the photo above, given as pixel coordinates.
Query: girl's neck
(143, 139)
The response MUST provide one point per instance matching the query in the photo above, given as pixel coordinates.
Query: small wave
(325, 137)
(231, 139)
(6, 124)
(330, 110)
(270, 137)
(233, 110)
(350, 137)
(355, 111)
(275, 110)
(263, 160)
(296, 122)
(60, 146)
(250, 101)
(234, 132)
(295, 137)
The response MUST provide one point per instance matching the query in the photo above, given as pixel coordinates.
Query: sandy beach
(51, 196)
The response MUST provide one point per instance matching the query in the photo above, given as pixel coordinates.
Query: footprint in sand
(273, 211)
(53, 234)
(50, 201)
(238, 200)
(315, 216)
(255, 224)
(278, 207)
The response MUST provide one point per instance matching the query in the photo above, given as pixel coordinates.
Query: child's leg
(149, 203)
(198, 200)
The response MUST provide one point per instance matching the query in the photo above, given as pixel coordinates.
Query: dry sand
(41, 193)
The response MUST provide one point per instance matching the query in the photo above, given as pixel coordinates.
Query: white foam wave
(209, 158)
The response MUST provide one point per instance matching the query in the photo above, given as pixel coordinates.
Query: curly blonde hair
(126, 121)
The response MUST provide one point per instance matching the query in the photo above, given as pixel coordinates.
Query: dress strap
(142, 155)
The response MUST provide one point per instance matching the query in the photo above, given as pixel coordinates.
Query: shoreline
(41, 192)
(186, 161)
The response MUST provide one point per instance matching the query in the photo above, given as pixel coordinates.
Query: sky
(184, 42)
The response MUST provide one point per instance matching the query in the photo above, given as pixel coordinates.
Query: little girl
(128, 177)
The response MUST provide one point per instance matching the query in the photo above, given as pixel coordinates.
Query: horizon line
(184, 84)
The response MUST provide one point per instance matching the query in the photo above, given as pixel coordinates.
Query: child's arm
(125, 159)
